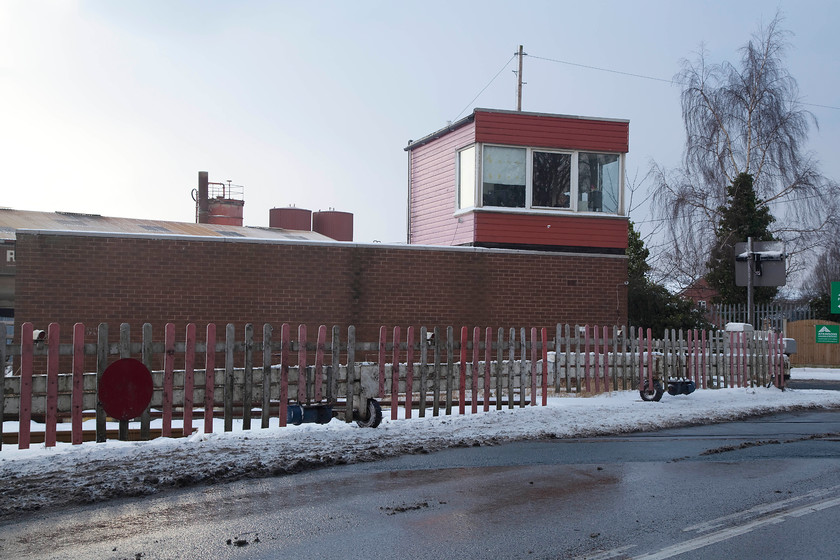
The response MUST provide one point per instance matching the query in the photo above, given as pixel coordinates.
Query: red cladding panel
(542, 229)
(549, 131)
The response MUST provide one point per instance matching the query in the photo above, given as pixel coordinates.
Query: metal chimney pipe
(203, 213)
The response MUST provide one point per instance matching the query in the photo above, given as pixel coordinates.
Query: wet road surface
(764, 488)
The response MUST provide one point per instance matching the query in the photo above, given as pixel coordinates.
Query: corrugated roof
(12, 220)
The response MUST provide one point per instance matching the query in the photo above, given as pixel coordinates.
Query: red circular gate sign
(125, 389)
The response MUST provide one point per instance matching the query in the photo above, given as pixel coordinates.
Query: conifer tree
(651, 305)
(743, 216)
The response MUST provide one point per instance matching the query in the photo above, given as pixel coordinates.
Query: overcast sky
(112, 107)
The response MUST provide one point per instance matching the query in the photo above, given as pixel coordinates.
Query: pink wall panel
(432, 201)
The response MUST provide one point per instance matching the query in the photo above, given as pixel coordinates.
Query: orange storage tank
(225, 212)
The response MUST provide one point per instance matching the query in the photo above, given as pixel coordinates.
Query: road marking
(731, 532)
(606, 555)
(759, 510)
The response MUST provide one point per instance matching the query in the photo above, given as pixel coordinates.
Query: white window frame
(476, 183)
(529, 185)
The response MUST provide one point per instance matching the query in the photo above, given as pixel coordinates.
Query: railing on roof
(226, 191)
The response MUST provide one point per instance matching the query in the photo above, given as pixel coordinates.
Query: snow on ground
(43, 477)
(820, 374)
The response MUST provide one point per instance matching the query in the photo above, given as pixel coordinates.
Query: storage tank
(334, 224)
(218, 203)
(225, 212)
(290, 218)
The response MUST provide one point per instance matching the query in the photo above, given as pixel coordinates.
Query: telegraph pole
(519, 81)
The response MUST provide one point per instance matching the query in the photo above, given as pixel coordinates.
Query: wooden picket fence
(262, 378)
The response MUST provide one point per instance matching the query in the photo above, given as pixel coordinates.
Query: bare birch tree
(745, 119)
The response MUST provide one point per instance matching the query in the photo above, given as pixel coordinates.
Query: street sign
(835, 297)
(827, 334)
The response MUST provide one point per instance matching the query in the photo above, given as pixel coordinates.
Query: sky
(42, 477)
(113, 108)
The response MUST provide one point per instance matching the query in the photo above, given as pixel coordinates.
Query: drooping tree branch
(744, 119)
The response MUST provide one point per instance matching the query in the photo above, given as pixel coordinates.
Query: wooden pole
(519, 81)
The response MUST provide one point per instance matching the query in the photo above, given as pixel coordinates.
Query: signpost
(759, 263)
(827, 334)
(835, 297)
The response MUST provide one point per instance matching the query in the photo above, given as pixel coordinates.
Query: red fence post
(703, 370)
(606, 339)
(642, 375)
(168, 374)
(78, 383)
(488, 344)
(462, 377)
(698, 349)
(689, 359)
(27, 346)
(533, 366)
(586, 359)
(650, 357)
(545, 366)
(53, 332)
(320, 348)
(409, 372)
(780, 359)
(189, 379)
(382, 343)
(302, 374)
(209, 378)
(395, 375)
(731, 359)
(285, 337)
(475, 361)
(596, 342)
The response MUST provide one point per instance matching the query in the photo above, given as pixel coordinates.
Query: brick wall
(93, 278)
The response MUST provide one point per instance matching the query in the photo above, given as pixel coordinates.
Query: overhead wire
(600, 69)
(485, 87)
(643, 76)
(603, 69)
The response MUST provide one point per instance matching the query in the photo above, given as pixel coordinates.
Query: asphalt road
(764, 488)
(814, 384)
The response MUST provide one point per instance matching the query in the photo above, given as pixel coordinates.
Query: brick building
(135, 278)
(515, 219)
